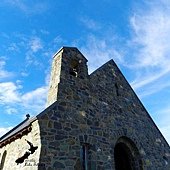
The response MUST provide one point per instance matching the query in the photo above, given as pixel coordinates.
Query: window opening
(84, 156)
(3, 160)
(73, 72)
(74, 68)
(117, 89)
(165, 160)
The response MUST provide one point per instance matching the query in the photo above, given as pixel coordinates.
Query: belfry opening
(126, 155)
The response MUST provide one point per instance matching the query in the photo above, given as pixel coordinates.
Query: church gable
(99, 111)
(117, 88)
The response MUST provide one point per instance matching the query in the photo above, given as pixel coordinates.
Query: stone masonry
(18, 147)
(92, 122)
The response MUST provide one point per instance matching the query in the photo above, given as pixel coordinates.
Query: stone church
(91, 122)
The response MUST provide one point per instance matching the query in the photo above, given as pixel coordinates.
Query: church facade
(92, 122)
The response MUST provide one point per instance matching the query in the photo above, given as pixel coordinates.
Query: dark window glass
(84, 156)
(3, 160)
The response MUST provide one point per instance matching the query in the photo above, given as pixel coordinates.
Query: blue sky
(135, 34)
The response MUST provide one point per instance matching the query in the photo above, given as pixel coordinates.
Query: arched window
(126, 155)
(165, 160)
(74, 68)
(3, 160)
(117, 89)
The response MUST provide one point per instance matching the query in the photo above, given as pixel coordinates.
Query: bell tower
(68, 64)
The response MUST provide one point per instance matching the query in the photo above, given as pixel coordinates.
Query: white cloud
(24, 74)
(35, 99)
(10, 110)
(36, 44)
(28, 7)
(32, 45)
(32, 101)
(58, 40)
(151, 43)
(100, 50)
(152, 35)
(4, 73)
(153, 88)
(9, 93)
(90, 23)
(13, 47)
(4, 130)
(149, 78)
(151, 55)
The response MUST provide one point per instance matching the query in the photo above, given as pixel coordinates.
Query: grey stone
(58, 165)
(99, 112)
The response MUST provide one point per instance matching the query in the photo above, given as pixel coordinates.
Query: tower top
(68, 49)
(68, 63)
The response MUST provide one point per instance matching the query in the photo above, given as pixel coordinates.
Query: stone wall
(55, 79)
(98, 110)
(17, 149)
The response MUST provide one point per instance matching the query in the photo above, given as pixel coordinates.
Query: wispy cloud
(3, 130)
(100, 50)
(153, 88)
(150, 30)
(28, 7)
(35, 99)
(31, 45)
(12, 98)
(163, 121)
(9, 93)
(58, 39)
(4, 73)
(10, 110)
(35, 44)
(13, 47)
(90, 23)
(151, 43)
(149, 78)
(152, 37)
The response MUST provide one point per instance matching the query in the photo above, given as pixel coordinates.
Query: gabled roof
(17, 132)
(22, 128)
(107, 67)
